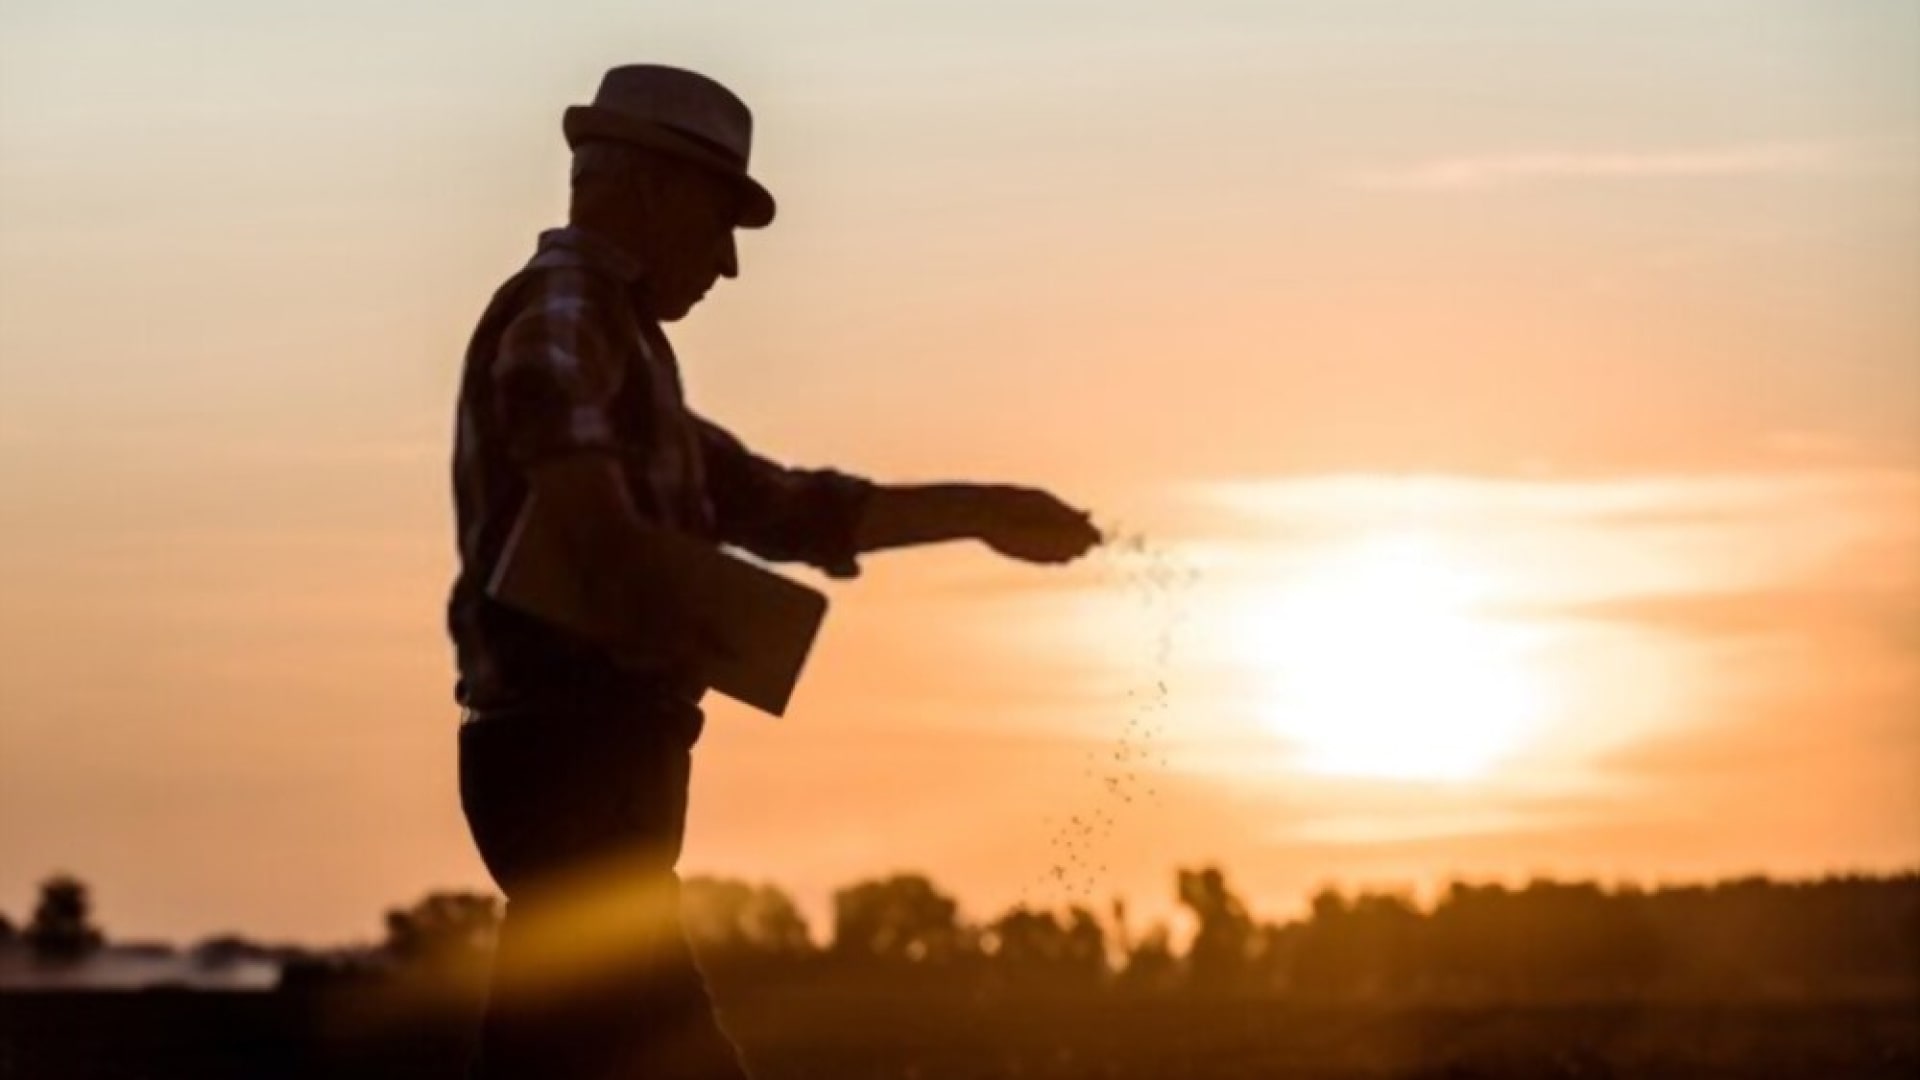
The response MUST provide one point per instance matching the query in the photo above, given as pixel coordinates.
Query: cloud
(1342, 501)
(1810, 553)
(1891, 614)
(1508, 170)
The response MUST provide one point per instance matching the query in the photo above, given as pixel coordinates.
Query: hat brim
(584, 123)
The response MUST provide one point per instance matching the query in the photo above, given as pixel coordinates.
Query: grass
(796, 1032)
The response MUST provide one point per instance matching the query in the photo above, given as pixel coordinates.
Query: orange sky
(1533, 395)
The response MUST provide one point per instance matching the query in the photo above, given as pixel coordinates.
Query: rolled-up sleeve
(557, 373)
(780, 513)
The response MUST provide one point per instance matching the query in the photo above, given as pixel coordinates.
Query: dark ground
(801, 1031)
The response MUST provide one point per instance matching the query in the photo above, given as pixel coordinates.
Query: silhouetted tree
(1382, 940)
(1274, 955)
(1835, 937)
(1029, 944)
(1812, 936)
(1151, 964)
(901, 919)
(1320, 961)
(226, 950)
(1122, 931)
(445, 934)
(1223, 945)
(728, 919)
(62, 929)
(1144, 963)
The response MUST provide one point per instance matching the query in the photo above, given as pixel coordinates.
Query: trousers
(578, 809)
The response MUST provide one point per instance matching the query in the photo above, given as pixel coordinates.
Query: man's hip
(551, 790)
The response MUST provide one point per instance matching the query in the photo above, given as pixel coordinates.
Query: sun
(1380, 660)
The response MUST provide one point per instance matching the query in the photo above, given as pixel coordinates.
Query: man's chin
(671, 312)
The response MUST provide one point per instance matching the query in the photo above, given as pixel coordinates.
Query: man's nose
(729, 258)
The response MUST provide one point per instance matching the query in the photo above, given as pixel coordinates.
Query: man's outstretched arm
(827, 518)
(1021, 523)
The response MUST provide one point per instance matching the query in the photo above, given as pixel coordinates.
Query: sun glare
(1380, 661)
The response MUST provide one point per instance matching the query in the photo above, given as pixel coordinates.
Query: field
(796, 1032)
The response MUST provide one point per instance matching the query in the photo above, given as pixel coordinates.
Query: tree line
(1545, 940)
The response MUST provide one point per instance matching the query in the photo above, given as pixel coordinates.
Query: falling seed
(1153, 577)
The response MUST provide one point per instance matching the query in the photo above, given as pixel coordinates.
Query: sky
(1512, 409)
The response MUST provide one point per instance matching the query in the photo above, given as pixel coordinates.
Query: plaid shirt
(565, 362)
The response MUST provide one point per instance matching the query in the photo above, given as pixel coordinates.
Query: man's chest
(660, 435)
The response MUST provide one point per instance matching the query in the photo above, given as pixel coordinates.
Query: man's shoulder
(563, 291)
(577, 248)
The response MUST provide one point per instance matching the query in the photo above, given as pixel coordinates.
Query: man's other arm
(554, 382)
(632, 605)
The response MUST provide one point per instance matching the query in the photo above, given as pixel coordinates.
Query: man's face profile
(695, 215)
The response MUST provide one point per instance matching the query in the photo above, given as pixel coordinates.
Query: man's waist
(508, 660)
(493, 690)
(643, 711)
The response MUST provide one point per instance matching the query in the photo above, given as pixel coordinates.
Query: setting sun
(1379, 661)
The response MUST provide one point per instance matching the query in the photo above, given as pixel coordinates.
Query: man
(575, 746)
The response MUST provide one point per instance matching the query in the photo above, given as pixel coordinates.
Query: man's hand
(1032, 525)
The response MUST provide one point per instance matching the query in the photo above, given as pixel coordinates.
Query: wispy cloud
(1889, 614)
(1698, 553)
(1350, 499)
(1480, 172)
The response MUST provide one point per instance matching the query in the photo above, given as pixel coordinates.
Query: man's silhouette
(574, 765)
